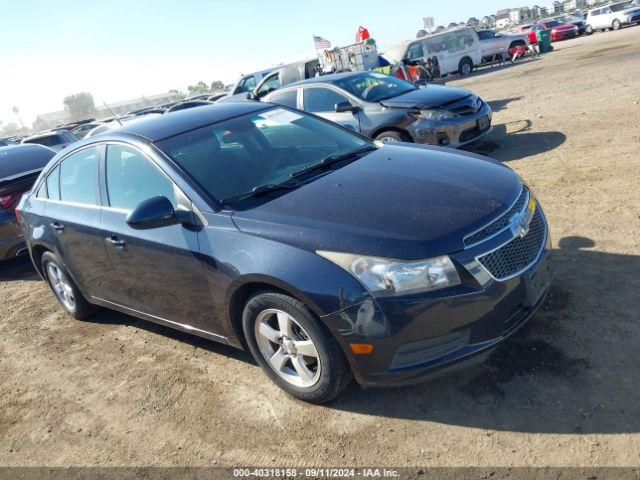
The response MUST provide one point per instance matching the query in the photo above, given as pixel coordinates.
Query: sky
(118, 50)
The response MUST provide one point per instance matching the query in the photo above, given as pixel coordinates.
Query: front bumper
(454, 132)
(419, 337)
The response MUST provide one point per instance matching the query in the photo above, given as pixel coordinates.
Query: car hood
(401, 201)
(430, 96)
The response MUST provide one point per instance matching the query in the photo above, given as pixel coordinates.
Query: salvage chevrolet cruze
(327, 255)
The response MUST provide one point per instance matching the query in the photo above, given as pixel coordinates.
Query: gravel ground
(564, 391)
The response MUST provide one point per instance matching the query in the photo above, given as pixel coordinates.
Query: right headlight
(386, 276)
(437, 114)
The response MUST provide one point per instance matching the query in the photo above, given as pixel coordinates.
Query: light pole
(17, 112)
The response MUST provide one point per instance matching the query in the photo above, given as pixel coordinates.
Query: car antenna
(112, 114)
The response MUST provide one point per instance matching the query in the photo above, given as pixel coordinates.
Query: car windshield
(374, 87)
(230, 159)
(617, 7)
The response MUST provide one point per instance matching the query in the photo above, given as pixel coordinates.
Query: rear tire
(465, 67)
(277, 329)
(616, 25)
(64, 289)
(588, 30)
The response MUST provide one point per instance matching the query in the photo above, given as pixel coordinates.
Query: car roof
(16, 160)
(164, 126)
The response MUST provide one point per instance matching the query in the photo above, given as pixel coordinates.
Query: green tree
(217, 85)
(80, 106)
(199, 87)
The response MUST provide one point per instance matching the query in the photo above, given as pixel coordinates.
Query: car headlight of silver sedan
(386, 276)
(436, 114)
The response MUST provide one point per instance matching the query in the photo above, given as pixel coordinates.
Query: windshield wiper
(331, 159)
(260, 189)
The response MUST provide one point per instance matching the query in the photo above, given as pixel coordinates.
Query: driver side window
(133, 178)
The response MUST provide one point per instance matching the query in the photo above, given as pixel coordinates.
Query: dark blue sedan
(327, 255)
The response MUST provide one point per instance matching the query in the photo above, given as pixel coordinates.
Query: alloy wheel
(288, 349)
(61, 286)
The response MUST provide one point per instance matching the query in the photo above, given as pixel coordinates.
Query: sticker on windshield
(280, 116)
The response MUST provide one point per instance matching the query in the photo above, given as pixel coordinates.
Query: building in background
(49, 120)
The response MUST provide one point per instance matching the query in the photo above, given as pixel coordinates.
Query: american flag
(321, 43)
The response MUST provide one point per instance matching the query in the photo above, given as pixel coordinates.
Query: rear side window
(53, 184)
(288, 98)
(133, 178)
(79, 177)
(321, 99)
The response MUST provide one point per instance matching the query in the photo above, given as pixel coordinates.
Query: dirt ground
(564, 391)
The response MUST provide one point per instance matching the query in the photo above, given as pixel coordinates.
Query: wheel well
(36, 253)
(463, 59)
(516, 42)
(402, 132)
(239, 299)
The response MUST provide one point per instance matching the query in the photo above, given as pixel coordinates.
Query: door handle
(58, 227)
(116, 242)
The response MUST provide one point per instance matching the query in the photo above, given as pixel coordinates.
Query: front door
(322, 101)
(159, 272)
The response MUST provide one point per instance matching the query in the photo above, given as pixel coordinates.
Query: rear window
(48, 141)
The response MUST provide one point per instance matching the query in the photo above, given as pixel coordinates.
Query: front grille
(501, 223)
(467, 106)
(519, 253)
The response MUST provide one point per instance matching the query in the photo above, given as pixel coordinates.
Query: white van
(457, 51)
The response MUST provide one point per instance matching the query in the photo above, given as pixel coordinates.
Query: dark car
(56, 139)
(389, 109)
(20, 166)
(324, 253)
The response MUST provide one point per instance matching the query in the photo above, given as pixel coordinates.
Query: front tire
(391, 136)
(293, 348)
(64, 289)
(616, 24)
(465, 67)
(588, 30)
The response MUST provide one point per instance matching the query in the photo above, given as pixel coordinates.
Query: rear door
(74, 219)
(322, 101)
(159, 271)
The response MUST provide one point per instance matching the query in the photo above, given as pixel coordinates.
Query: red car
(559, 31)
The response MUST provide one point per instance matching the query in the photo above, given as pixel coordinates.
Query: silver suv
(612, 16)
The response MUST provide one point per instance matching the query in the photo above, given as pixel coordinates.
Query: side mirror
(155, 212)
(345, 107)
